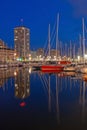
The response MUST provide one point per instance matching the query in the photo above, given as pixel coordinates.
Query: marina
(43, 65)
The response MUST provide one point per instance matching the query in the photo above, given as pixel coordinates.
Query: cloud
(79, 6)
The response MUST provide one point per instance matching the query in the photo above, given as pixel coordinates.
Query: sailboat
(52, 67)
(83, 68)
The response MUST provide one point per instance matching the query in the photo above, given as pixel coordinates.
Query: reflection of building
(22, 84)
(22, 41)
(5, 74)
(6, 54)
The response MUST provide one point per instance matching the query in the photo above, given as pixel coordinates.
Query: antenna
(22, 21)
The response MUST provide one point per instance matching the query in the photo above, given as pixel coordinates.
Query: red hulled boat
(51, 68)
(54, 67)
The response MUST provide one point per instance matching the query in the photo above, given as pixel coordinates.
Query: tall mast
(74, 52)
(49, 41)
(70, 50)
(83, 37)
(80, 46)
(57, 35)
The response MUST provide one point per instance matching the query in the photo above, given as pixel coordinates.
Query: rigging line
(48, 47)
(53, 40)
(53, 31)
(53, 34)
(52, 43)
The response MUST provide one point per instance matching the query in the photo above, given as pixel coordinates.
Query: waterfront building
(22, 42)
(33, 55)
(6, 54)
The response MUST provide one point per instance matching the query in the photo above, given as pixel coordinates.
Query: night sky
(37, 14)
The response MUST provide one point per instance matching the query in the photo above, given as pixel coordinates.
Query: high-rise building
(22, 41)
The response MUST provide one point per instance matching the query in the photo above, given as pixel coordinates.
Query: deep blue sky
(37, 14)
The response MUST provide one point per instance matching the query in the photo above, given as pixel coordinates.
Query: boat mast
(49, 41)
(70, 50)
(83, 38)
(80, 44)
(57, 35)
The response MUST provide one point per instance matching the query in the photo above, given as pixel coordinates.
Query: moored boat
(82, 69)
(35, 68)
(51, 67)
(64, 62)
(51, 71)
(70, 68)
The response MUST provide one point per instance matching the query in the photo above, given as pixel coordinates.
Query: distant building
(22, 41)
(40, 52)
(53, 53)
(33, 55)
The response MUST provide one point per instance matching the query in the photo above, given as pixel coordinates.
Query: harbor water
(44, 101)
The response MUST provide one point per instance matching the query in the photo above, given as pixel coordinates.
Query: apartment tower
(22, 42)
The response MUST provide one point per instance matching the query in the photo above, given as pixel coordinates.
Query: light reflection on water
(42, 100)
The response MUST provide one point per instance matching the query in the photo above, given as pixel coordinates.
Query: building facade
(22, 41)
(6, 54)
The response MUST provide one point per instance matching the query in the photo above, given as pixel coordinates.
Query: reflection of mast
(83, 102)
(57, 103)
(80, 92)
(49, 92)
(70, 83)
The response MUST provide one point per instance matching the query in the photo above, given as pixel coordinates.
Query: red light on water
(22, 104)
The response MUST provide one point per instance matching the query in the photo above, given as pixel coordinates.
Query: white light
(15, 73)
(30, 69)
(78, 57)
(85, 56)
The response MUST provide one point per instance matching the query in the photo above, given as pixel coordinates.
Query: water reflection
(71, 91)
(57, 99)
(21, 78)
(49, 92)
(5, 74)
(22, 83)
(66, 95)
